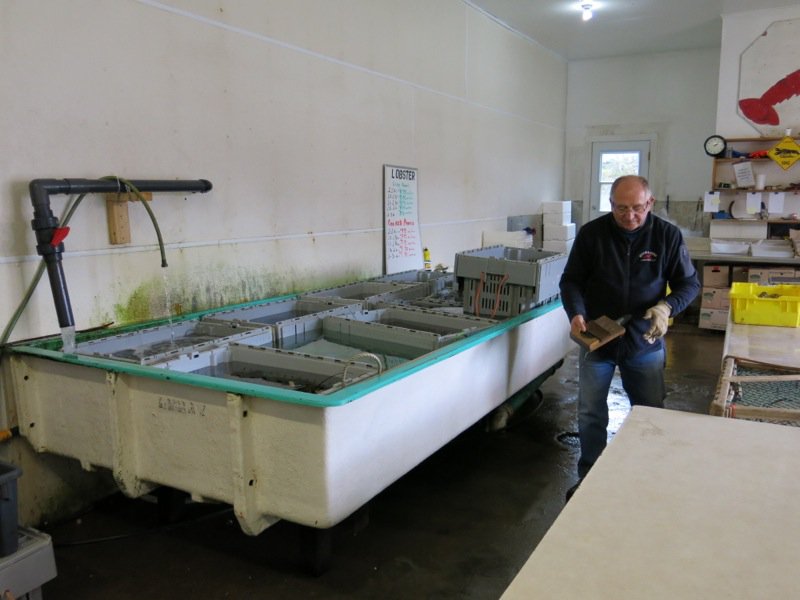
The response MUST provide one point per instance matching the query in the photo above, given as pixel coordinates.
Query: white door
(609, 161)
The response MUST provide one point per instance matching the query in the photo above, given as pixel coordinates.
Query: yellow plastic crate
(754, 304)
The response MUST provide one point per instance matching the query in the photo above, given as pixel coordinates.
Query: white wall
(670, 96)
(290, 109)
(740, 30)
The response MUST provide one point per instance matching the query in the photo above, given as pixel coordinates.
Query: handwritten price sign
(402, 243)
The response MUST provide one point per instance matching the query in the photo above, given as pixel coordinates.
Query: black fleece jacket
(613, 272)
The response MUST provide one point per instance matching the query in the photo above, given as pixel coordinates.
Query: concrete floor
(460, 525)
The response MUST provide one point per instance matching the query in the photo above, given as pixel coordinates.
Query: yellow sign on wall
(785, 153)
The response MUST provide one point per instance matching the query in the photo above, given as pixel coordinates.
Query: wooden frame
(728, 387)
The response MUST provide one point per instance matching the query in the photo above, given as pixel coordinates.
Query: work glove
(658, 316)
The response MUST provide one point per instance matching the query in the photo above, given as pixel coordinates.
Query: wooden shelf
(748, 190)
(742, 159)
(760, 139)
(723, 167)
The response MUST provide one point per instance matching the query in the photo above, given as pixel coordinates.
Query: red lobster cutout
(760, 110)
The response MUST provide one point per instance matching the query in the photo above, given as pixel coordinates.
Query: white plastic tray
(31, 566)
(772, 248)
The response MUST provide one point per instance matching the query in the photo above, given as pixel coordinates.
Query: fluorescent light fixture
(587, 11)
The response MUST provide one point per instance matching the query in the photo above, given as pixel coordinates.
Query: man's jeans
(643, 381)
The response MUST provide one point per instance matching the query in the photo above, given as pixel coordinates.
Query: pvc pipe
(45, 224)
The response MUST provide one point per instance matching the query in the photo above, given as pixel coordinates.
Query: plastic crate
(503, 282)
(754, 304)
(24, 573)
(8, 508)
(370, 293)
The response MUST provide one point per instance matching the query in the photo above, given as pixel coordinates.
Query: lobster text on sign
(403, 174)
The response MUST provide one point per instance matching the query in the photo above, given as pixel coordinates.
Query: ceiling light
(587, 11)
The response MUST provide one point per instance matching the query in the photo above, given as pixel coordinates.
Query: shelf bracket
(119, 226)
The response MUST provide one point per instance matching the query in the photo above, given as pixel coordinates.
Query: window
(609, 161)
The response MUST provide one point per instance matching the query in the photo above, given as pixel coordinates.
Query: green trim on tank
(44, 349)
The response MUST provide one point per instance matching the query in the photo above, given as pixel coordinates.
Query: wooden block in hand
(598, 332)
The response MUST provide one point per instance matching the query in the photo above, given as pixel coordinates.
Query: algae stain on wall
(178, 293)
(146, 302)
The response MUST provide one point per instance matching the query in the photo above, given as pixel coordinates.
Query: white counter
(762, 343)
(679, 505)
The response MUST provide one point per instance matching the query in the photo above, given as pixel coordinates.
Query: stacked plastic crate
(503, 282)
(558, 230)
(26, 556)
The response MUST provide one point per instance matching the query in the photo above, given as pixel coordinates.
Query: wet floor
(460, 525)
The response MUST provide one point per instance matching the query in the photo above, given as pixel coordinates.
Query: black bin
(9, 538)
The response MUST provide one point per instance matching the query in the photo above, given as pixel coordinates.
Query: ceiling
(620, 27)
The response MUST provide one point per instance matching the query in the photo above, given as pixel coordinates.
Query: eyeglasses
(639, 209)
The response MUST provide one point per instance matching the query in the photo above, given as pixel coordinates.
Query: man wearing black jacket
(620, 265)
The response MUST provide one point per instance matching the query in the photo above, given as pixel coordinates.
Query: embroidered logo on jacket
(648, 256)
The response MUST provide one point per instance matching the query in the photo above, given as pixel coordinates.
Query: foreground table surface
(679, 505)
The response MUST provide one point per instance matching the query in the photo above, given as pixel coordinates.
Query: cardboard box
(764, 276)
(716, 276)
(757, 275)
(778, 276)
(718, 298)
(740, 274)
(713, 318)
(559, 232)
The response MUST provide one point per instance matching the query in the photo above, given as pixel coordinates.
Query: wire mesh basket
(758, 391)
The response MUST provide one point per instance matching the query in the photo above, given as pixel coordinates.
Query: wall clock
(715, 145)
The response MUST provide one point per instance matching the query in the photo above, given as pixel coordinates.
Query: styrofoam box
(30, 567)
(716, 276)
(557, 207)
(556, 219)
(559, 232)
(730, 246)
(772, 248)
(558, 245)
(738, 229)
(718, 298)
(713, 318)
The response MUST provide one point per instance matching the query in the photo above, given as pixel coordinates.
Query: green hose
(132, 188)
(69, 210)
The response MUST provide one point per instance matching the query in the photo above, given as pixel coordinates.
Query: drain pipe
(50, 237)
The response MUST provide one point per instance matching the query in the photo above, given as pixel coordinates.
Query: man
(619, 266)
